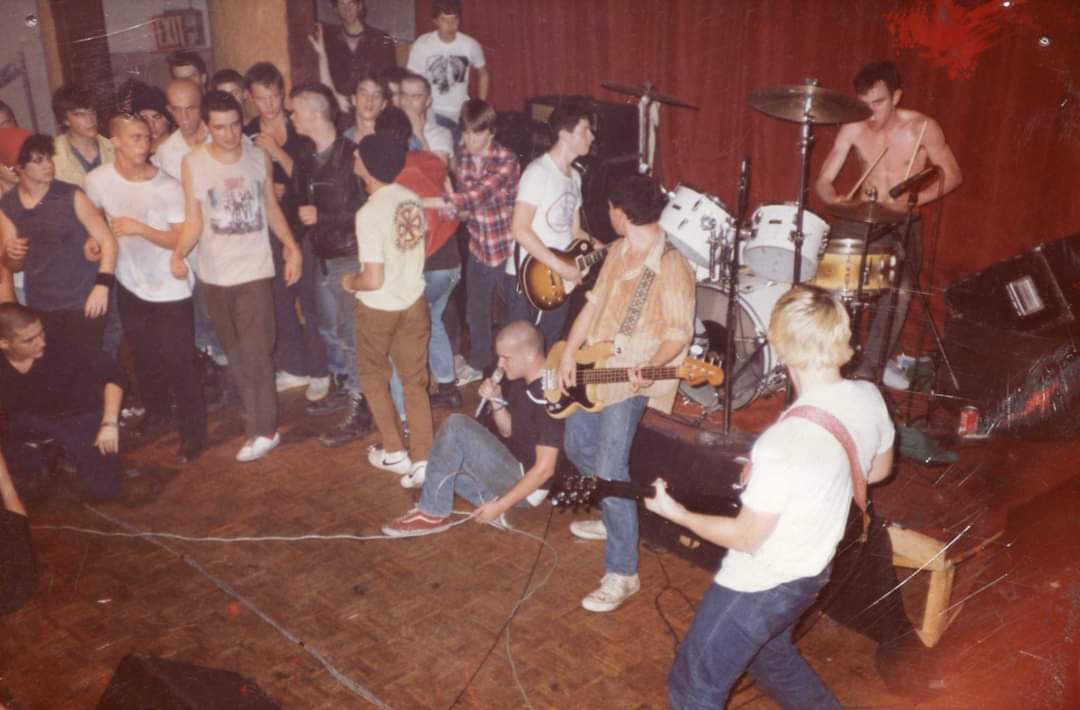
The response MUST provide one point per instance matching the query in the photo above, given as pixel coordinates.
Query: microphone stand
(733, 290)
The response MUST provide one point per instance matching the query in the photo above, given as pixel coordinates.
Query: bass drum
(756, 367)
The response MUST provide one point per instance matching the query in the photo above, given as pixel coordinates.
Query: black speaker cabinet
(148, 683)
(1006, 317)
(695, 474)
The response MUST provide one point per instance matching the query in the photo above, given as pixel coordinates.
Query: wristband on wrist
(104, 279)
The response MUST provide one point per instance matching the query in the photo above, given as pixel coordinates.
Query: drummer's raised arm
(823, 186)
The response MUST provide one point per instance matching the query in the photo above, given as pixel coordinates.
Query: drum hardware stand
(648, 117)
(806, 141)
(913, 199)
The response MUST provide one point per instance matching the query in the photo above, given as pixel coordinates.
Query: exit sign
(178, 29)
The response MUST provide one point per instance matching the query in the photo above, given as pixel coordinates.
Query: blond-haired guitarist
(643, 302)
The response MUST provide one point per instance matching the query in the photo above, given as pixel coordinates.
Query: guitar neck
(607, 375)
(585, 261)
(708, 504)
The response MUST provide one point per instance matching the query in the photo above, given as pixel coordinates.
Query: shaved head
(522, 334)
(182, 89)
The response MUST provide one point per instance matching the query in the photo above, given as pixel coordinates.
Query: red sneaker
(415, 523)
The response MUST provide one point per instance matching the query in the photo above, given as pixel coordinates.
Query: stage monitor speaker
(1003, 319)
(143, 682)
(693, 472)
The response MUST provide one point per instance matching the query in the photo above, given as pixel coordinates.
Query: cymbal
(647, 89)
(868, 212)
(808, 103)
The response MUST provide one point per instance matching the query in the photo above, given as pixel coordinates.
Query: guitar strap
(834, 426)
(636, 308)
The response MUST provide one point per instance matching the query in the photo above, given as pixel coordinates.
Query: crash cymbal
(868, 212)
(809, 103)
(646, 89)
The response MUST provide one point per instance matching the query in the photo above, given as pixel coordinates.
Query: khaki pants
(400, 338)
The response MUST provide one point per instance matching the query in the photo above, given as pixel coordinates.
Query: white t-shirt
(439, 138)
(234, 247)
(556, 198)
(390, 230)
(171, 152)
(801, 472)
(142, 267)
(446, 66)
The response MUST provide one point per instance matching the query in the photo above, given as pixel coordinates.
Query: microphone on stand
(914, 180)
(496, 378)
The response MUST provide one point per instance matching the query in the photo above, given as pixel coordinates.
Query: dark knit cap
(151, 98)
(383, 156)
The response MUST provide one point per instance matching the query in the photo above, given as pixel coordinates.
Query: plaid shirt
(486, 188)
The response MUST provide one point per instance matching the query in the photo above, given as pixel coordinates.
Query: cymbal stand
(742, 200)
(648, 123)
(913, 199)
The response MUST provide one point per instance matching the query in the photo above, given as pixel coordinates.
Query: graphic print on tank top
(236, 206)
(446, 71)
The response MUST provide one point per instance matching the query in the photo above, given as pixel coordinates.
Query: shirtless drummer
(894, 134)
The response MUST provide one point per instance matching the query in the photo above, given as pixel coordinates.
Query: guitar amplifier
(663, 448)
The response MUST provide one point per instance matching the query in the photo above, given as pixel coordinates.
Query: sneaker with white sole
(259, 447)
(589, 529)
(286, 381)
(414, 524)
(467, 375)
(393, 461)
(614, 590)
(318, 387)
(415, 477)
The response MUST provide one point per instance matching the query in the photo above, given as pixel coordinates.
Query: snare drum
(771, 249)
(839, 268)
(689, 220)
(756, 367)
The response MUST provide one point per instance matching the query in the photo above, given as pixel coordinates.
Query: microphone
(496, 378)
(914, 180)
(744, 187)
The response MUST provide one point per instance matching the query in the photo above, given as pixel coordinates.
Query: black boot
(356, 424)
(446, 396)
(336, 399)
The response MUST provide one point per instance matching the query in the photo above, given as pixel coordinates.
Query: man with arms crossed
(794, 510)
(897, 132)
(229, 206)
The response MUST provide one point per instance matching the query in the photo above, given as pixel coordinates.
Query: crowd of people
(233, 237)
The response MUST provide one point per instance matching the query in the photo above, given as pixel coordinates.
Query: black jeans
(162, 340)
(99, 473)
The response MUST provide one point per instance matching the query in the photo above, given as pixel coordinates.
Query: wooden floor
(423, 623)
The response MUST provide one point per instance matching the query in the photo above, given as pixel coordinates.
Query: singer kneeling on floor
(493, 473)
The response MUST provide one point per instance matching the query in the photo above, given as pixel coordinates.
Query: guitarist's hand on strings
(567, 372)
(636, 380)
(663, 504)
(569, 273)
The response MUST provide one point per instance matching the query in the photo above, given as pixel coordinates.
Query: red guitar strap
(831, 424)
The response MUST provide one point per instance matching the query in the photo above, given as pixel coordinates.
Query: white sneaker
(261, 446)
(286, 381)
(318, 387)
(415, 477)
(589, 529)
(467, 375)
(614, 590)
(895, 377)
(393, 461)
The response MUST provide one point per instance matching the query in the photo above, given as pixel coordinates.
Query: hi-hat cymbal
(646, 89)
(809, 103)
(868, 212)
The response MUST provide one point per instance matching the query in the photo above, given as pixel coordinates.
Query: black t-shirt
(295, 145)
(66, 380)
(531, 426)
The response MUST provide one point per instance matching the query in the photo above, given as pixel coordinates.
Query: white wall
(27, 92)
(131, 40)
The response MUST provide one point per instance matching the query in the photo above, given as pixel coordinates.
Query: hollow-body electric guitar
(545, 289)
(591, 373)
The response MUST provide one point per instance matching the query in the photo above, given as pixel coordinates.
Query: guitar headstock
(698, 372)
(574, 492)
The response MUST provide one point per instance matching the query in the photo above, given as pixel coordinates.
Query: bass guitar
(591, 373)
(573, 492)
(544, 288)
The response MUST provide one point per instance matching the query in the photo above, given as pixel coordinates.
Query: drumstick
(866, 174)
(918, 144)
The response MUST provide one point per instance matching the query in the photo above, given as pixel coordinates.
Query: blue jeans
(481, 283)
(337, 318)
(470, 461)
(736, 631)
(438, 287)
(518, 308)
(299, 346)
(598, 443)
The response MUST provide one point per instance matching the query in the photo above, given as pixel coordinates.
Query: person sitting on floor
(71, 394)
(468, 460)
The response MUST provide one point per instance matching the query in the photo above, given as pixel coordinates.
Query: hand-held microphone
(914, 180)
(496, 378)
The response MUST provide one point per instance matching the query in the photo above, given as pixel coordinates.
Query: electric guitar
(573, 491)
(545, 289)
(591, 374)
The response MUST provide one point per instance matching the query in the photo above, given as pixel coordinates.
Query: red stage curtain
(1009, 107)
